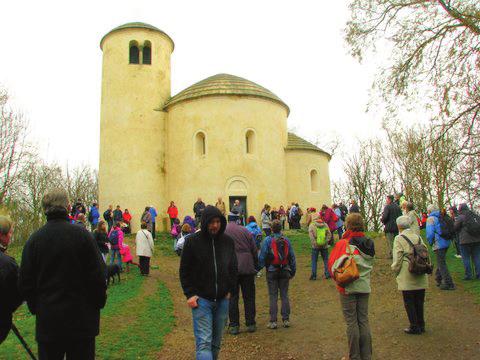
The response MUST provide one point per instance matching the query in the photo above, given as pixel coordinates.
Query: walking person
(391, 212)
(320, 238)
(208, 272)
(266, 220)
(278, 257)
(101, 239)
(172, 212)
(144, 245)
(411, 285)
(10, 298)
(354, 297)
(247, 260)
(108, 217)
(198, 209)
(62, 277)
(115, 238)
(93, 216)
(440, 247)
(147, 219)
(467, 226)
(153, 213)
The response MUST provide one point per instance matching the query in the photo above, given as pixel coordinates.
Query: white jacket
(144, 242)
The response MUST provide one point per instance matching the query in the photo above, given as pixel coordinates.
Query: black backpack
(419, 262)
(447, 227)
(472, 223)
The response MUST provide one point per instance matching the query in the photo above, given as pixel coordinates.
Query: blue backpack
(113, 238)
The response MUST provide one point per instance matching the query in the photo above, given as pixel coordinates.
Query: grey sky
(51, 62)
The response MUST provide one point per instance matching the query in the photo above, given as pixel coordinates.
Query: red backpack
(279, 252)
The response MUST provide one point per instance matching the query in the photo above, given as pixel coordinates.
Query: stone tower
(135, 86)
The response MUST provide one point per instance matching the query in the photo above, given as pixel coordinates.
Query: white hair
(431, 208)
(404, 222)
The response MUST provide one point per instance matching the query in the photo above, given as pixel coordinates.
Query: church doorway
(243, 204)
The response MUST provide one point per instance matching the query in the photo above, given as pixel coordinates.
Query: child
(176, 229)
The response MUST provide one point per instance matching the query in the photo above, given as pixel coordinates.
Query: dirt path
(318, 330)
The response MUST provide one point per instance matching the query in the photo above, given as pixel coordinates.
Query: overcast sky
(51, 62)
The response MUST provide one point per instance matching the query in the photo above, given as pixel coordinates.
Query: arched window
(134, 53)
(200, 146)
(147, 53)
(314, 180)
(250, 141)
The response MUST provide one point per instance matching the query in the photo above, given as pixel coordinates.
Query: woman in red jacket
(172, 212)
(127, 219)
(329, 217)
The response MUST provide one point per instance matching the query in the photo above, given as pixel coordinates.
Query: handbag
(347, 272)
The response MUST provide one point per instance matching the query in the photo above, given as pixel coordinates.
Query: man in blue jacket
(440, 247)
(278, 257)
(94, 216)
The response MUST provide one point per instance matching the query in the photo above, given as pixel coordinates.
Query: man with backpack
(247, 260)
(439, 236)
(467, 226)
(278, 257)
(320, 238)
(108, 217)
(411, 264)
(391, 212)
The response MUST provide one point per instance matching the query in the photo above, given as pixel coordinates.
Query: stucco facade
(224, 136)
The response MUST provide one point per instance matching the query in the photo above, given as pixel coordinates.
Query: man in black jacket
(62, 277)
(198, 209)
(391, 212)
(208, 272)
(10, 298)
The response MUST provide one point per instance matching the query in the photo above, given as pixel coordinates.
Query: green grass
(132, 325)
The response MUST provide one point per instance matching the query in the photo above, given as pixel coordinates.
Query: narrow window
(147, 52)
(200, 147)
(134, 53)
(250, 141)
(314, 180)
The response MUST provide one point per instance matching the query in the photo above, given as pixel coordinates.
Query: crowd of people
(221, 256)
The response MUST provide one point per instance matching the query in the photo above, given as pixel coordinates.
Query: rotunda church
(223, 136)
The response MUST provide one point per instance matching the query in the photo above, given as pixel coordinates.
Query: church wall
(299, 165)
(226, 169)
(131, 171)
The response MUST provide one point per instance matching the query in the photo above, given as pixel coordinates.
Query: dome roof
(137, 25)
(297, 143)
(224, 84)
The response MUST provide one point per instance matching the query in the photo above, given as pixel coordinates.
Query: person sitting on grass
(278, 257)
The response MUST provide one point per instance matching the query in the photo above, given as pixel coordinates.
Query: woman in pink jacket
(329, 217)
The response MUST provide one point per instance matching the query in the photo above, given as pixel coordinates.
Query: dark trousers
(144, 262)
(442, 275)
(153, 230)
(355, 312)
(324, 253)
(413, 301)
(81, 349)
(277, 281)
(247, 284)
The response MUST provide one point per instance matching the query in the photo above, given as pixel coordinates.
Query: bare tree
(13, 148)
(82, 183)
(434, 61)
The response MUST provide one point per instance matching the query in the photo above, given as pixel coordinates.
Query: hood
(208, 214)
(364, 244)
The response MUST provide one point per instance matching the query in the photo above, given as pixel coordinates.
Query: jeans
(355, 312)
(442, 275)
(115, 253)
(247, 284)
(340, 232)
(469, 252)
(324, 253)
(413, 301)
(209, 320)
(278, 281)
(79, 349)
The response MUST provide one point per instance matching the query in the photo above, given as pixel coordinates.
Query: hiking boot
(313, 277)
(447, 287)
(286, 323)
(251, 328)
(412, 331)
(234, 330)
(272, 325)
